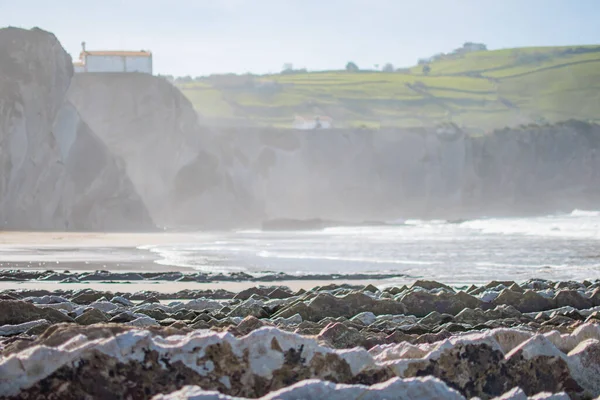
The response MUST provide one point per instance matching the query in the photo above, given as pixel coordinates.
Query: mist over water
(561, 247)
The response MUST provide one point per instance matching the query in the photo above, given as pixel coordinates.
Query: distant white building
(319, 122)
(113, 61)
(470, 47)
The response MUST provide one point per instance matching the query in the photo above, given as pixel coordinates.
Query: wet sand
(76, 251)
(89, 239)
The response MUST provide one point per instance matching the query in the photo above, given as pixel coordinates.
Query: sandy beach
(88, 239)
(83, 251)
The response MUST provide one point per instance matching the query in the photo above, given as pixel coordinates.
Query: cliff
(99, 194)
(169, 157)
(357, 175)
(54, 172)
(128, 151)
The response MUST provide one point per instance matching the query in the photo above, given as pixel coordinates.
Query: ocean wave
(418, 222)
(374, 260)
(585, 213)
(191, 264)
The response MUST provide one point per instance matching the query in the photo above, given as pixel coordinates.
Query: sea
(557, 247)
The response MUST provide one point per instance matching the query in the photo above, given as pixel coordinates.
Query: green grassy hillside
(479, 91)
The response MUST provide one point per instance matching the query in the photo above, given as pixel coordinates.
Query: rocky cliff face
(54, 173)
(31, 94)
(99, 193)
(127, 151)
(102, 151)
(153, 128)
(360, 175)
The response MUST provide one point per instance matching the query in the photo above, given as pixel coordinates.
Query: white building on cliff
(113, 61)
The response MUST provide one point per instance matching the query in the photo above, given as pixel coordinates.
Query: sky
(203, 37)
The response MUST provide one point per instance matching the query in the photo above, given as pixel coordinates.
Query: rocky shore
(16, 275)
(427, 341)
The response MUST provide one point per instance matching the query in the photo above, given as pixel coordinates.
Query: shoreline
(74, 256)
(83, 251)
(93, 239)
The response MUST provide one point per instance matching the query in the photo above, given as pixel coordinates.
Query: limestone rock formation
(31, 94)
(91, 316)
(146, 122)
(128, 151)
(252, 348)
(19, 312)
(54, 173)
(358, 175)
(325, 305)
(99, 194)
(131, 362)
(404, 389)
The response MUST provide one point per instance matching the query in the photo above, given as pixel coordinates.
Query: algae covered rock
(420, 303)
(325, 305)
(527, 301)
(18, 312)
(91, 316)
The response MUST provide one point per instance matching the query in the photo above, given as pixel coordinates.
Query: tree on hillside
(388, 68)
(351, 67)
(426, 69)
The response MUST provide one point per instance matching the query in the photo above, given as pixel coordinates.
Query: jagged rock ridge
(251, 343)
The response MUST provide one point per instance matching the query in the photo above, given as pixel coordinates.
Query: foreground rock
(418, 388)
(128, 362)
(325, 305)
(405, 389)
(18, 312)
(266, 339)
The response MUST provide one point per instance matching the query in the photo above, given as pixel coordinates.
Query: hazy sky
(200, 37)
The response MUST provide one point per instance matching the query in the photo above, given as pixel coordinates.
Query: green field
(478, 91)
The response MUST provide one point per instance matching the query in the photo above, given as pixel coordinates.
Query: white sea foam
(554, 247)
(300, 256)
(578, 224)
(583, 213)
